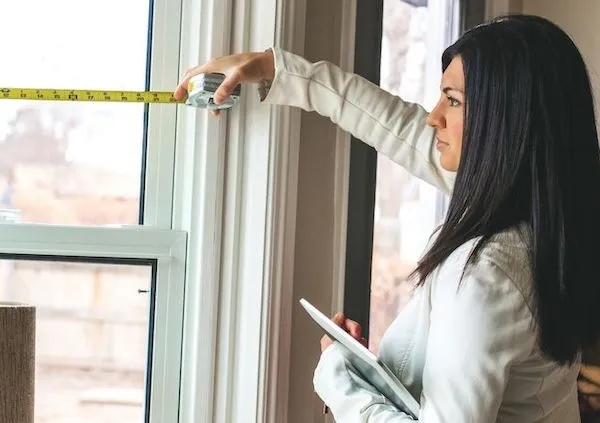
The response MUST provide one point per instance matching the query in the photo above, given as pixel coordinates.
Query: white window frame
(219, 219)
(162, 119)
(239, 212)
(156, 240)
(166, 247)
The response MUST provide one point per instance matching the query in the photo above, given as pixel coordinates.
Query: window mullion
(77, 241)
(160, 148)
(198, 210)
(167, 336)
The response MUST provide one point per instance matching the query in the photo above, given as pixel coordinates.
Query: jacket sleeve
(476, 333)
(395, 128)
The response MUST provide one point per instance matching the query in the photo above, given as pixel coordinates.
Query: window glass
(72, 163)
(91, 337)
(406, 208)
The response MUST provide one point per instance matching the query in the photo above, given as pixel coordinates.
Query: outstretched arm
(395, 128)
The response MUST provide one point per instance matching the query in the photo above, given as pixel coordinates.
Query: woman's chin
(448, 163)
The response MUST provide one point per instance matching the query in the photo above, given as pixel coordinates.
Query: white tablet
(367, 364)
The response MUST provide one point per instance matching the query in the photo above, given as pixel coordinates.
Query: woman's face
(448, 114)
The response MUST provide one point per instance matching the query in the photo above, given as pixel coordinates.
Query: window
(110, 296)
(406, 208)
(66, 163)
(390, 213)
(140, 212)
(92, 335)
(76, 180)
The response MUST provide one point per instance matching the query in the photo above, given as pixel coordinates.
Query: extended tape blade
(49, 94)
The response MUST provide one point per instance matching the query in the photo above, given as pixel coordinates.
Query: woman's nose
(435, 119)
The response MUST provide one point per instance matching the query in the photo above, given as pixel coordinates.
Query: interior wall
(315, 253)
(502, 7)
(580, 20)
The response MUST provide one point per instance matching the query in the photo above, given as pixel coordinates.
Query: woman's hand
(350, 326)
(237, 68)
(589, 385)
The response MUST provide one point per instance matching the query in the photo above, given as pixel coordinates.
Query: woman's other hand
(237, 68)
(350, 326)
(588, 386)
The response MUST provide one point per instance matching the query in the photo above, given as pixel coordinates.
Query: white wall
(502, 7)
(580, 20)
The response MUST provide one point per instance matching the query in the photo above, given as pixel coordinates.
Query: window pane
(406, 209)
(72, 163)
(92, 337)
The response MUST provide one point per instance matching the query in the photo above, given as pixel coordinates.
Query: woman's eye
(453, 102)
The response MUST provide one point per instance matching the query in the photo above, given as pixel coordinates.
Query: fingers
(228, 65)
(339, 319)
(591, 373)
(353, 328)
(181, 89)
(588, 388)
(222, 93)
(213, 66)
(228, 85)
(350, 326)
(238, 68)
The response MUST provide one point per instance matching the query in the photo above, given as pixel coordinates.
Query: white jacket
(467, 353)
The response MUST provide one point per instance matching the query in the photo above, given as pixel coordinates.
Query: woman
(507, 292)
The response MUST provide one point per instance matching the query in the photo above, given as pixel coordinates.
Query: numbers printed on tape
(88, 95)
(200, 94)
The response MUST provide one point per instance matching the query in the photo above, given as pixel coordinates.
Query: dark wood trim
(363, 173)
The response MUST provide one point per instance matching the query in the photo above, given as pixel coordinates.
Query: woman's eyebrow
(445, 90)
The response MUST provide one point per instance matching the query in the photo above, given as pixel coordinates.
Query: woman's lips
(439, 144)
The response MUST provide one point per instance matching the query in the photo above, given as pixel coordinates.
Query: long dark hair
(530, 155)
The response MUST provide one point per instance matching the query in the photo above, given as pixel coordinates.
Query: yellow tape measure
(48, 94)
(200, 94)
